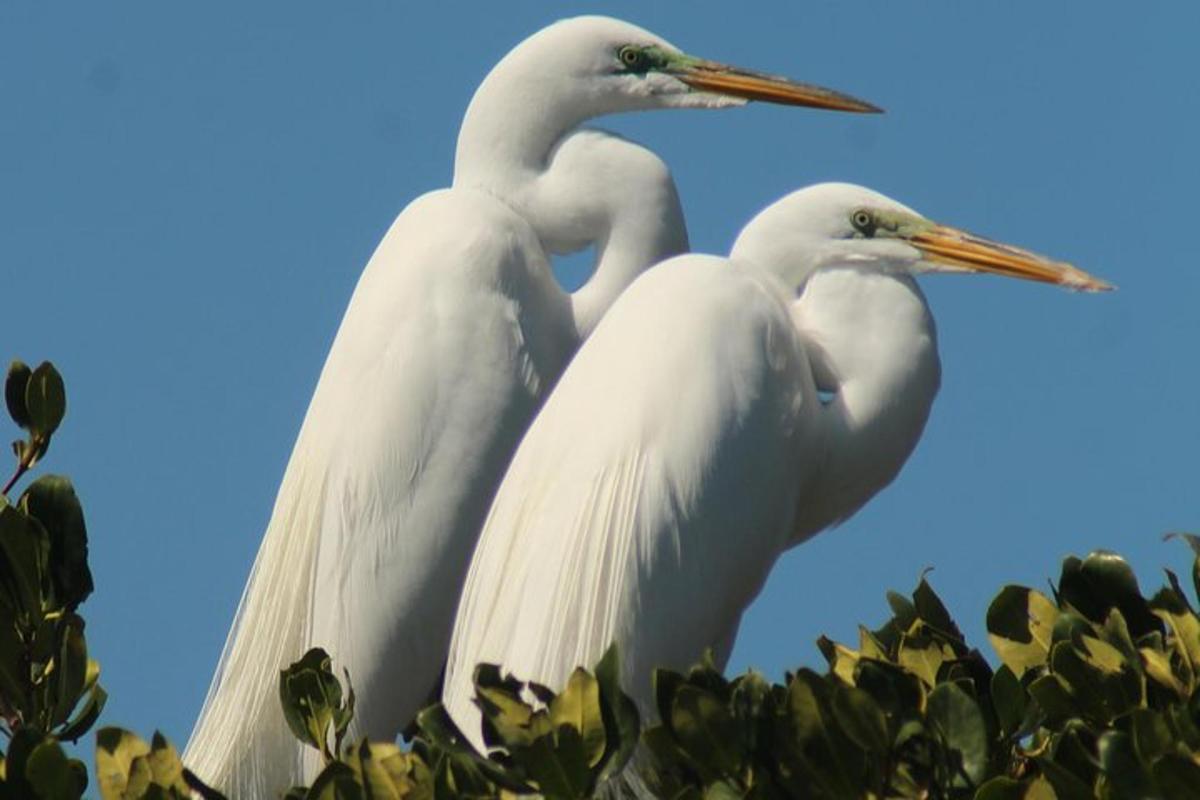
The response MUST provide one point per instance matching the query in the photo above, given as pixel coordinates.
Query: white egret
(454, 335)
(687, 445)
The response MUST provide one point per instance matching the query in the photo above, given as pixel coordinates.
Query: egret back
(649, 498)
(455, 331)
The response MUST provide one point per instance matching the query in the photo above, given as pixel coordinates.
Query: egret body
(687, 445)
(454, 335)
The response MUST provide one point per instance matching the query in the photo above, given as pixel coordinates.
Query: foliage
(49, 688)
(1096, 694)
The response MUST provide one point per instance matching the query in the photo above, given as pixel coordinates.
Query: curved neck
(590, 188)
(634, 238)
(873, 344)
(520, 142)
(517, 117)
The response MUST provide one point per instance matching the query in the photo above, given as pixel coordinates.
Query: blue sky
(188, 194)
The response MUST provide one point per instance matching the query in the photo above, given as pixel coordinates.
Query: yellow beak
(711, 76)
(960, 250)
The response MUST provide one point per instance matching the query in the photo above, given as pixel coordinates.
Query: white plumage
(455, 333)
(687, 446)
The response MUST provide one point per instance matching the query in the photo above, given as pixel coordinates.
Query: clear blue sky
(189, 191)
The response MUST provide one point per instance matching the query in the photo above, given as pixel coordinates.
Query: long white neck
(634, 215)
(515, 120)
(873, 344)
(576, 187)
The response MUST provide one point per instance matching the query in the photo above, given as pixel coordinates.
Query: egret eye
(634, 58)
(864, 221)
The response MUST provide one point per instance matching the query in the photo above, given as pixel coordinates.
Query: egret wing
(652, 493)
(439, 363)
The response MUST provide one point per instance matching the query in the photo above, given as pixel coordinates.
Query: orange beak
(960, 250)
(711, 76)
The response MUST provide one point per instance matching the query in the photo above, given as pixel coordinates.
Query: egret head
(588, 66)
(840, 224)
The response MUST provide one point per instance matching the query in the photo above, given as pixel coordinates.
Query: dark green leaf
(1008, 700)
(560, 772)
(311, 695)
(622, 723)
(897, 692)
(45, 400)
(931, 609)
(903, 611)
(52, 775)
(1102, 581)
(861, 719)
(15, 383)
(704, 728)
(70, 670)
(52, 501)
(24, 553)
(86, 716)
(665, 683)
(336, 782)
(957, 718)
(1122, 768)
(13, 669)
(1053, 697)
(1067, 785)
(1152, 736)
(439, 729)
(1178, 778)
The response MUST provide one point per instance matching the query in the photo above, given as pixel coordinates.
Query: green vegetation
(1096, 694)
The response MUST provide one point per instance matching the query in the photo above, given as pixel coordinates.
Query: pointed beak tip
(1080, 281)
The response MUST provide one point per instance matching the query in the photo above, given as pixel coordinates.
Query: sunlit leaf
(578, 705)
(1020, 625)
(117, 751)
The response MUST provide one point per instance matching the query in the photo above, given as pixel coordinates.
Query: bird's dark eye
(634, 58)
(864, 221)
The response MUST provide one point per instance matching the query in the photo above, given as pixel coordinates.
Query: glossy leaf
(24, 557)
(621, 720)
(121, 770)
(862, 720)
(311, 696)
(578, 706)
(704, 728)
(52, 775)
(957, 718)
(15, 384)
(930, 608)
(51, 500)
(1102, 581)
(70, 669)
(1020, 623)
(85, 715)
(1123, 770)
(1008, 700)
(45, 400)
